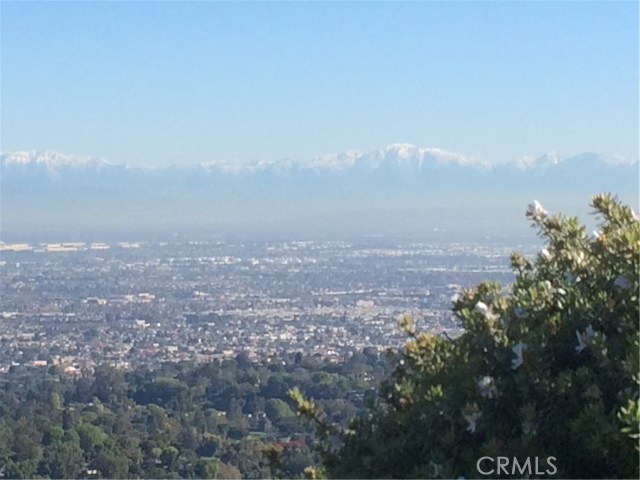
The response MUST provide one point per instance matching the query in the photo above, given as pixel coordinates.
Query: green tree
(169, 456)
(206, 468)
(5, 442)
(56, 401)
(546, 367)
(277, 410)
(111, 465)
(92, 438)
(63, 460)
(108, 384)
(26, 440)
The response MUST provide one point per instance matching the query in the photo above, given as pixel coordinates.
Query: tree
(546, 368)
(92, 438)
(277, 410)
(63, 460)
(108, 384)
(111, 465)
(206, 467)
(227, 471)
(26, 447)
(169, 456)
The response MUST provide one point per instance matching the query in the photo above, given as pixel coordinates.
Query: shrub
(547, 367)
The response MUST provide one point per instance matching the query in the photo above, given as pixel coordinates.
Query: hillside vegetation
(547, 369)
(224, 419)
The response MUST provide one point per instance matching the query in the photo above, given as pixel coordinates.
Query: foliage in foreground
(545, 368)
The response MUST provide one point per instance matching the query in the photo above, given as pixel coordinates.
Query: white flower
(471, 419)
(584, 339)
(482, 308)
(536, 210)
(622, 283)
(485, 311)
(487, 387)
(518, 350)
(546, 254)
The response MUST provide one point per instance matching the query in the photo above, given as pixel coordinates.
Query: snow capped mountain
(392, 168)
(584, 161)
(405, 154)
(399, 155)
(59, 193)
(50, 159)
(396, 155)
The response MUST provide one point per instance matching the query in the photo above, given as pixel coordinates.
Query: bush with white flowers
(545, 368)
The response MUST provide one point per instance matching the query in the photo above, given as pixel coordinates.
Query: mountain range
(43, 190)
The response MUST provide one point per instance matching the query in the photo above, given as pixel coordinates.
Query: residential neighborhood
(78, 305)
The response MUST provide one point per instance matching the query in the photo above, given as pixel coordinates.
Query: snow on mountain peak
(50, 159)
(551, 160)
(401, 150)
(402, 156)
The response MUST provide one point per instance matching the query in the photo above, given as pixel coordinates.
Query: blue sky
(158, 83)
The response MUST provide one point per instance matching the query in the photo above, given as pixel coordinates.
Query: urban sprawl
(78, 305)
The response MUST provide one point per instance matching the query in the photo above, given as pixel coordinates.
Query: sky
(159, 83)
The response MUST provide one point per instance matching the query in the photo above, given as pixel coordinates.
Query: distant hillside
(47, 190)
